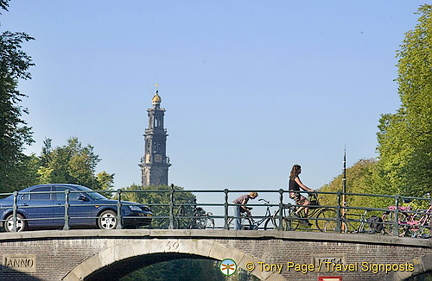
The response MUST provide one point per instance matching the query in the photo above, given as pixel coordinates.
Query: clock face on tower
(158, 158)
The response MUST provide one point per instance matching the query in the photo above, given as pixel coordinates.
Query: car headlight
(135, 208)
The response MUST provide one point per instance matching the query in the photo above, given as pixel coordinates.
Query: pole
(344, 179)
(344, 202)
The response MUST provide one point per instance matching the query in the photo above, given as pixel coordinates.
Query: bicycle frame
(268, 215)
(197, 221)
(251, 223)
(417, 227)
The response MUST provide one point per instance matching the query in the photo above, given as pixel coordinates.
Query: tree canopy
(405, 137)
(14, 132)
(159, 200)
(72, 163)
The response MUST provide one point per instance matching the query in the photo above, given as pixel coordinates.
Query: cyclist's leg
(237, 218)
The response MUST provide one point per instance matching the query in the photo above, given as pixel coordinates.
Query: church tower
(154, 165)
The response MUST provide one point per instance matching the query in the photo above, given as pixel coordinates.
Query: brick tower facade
(155, 163)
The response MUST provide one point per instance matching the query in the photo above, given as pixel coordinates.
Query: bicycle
(351, 223)
(249, 223)
(321, 216)
(199, 220)
(389, 220)
(419, 223)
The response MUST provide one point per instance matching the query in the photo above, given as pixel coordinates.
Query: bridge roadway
(109, 254)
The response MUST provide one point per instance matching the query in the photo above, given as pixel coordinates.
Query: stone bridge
(270, 255)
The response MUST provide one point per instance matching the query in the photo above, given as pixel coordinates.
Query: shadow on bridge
(12, 275)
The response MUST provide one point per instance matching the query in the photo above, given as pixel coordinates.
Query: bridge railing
(174, 211)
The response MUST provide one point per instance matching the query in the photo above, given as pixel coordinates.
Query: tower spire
(156, 100)
(155, 163)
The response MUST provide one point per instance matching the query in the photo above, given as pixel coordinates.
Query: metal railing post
(338, 213)
(171, 208)
(14, 211)
(281, 207)
(66, 206)
(396, 222)
(226, 226)
(119, 208)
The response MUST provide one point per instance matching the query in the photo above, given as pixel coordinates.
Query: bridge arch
(147, 252)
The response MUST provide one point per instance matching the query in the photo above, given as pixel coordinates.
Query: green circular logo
(228, 267)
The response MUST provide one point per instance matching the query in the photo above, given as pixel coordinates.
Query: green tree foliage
(405, 138)
(360, 179)
(4, 4)
(14, 132)
(158, 198)
(72, 163)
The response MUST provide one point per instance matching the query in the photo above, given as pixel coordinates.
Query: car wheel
(107, 220)
(21, 224)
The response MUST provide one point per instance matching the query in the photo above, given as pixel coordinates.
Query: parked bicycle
(390, 221)
(249, 223)
(414, 223)
(355, 223)
(197, 219)
(320, 216)
(420, 223)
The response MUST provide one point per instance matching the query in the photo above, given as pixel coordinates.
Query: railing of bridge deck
(223, 206)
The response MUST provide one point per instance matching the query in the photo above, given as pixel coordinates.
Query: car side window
(38, 193)
(59, 193)
(61, 196)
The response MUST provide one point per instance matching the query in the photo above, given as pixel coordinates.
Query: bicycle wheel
(419, 227)
(330, 226)
(423, 231)
(389, 220)
(289, 222)
(160, 223)
(182, 223)
(209, 224)
(365, 227)
(270, 224)
(326, 220)
(246, 223)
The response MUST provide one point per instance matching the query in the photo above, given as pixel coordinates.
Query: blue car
(43, 207)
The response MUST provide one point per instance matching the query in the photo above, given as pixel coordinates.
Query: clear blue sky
(249, 87)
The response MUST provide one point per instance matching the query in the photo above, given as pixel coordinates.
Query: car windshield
(92, 194)
(95, 196)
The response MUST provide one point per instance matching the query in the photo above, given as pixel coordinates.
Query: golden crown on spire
(156, 98)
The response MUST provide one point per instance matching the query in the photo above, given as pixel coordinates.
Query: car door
(79, 213)
(38, 207)
(59, 197)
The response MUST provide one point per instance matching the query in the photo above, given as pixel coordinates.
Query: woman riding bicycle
(295, 184)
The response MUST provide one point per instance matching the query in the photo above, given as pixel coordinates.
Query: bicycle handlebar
(265, 201)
